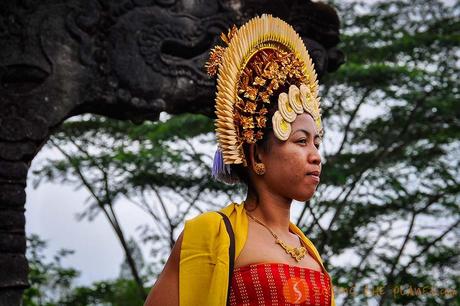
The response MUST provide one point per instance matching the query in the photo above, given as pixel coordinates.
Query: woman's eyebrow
(306, 132)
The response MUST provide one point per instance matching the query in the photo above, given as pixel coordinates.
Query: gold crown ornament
(261, 58)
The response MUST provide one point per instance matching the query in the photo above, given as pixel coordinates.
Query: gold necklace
(297, 253)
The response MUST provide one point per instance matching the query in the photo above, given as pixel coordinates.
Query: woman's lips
(314, 177)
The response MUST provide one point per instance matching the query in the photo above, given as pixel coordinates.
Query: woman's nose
(314, 157)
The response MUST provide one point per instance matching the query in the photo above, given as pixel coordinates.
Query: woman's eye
(302, 140)
(317, 145)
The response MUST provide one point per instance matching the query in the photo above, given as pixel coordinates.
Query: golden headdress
(261, 57)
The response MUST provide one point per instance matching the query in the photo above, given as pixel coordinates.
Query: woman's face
(289, 163)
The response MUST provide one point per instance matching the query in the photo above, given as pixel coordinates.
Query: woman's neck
(273, 212)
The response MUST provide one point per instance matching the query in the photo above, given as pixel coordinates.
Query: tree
(136, 254)
(161, 167)
(386, 215)
(50, 280)
(119, 292)
(52, 284)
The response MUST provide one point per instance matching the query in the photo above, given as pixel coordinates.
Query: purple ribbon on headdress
(220, 170)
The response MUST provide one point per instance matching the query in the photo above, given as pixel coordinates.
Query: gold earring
(259, 168)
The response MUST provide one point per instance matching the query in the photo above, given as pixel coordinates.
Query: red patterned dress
(279, 284)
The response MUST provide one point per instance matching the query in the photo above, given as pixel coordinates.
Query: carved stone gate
(125, 59)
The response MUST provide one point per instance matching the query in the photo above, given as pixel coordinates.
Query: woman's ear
(255, 155)
(256, 159)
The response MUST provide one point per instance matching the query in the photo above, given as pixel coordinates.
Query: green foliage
(49, 280)
(120, 292)
(389, 197)
(161, 167)
(52, 284)
(158, 154)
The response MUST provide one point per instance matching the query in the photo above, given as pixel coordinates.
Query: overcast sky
(50, 213)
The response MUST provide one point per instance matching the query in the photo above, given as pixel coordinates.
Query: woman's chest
(262, 248)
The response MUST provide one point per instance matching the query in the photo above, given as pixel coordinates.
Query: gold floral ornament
(262, 57)
(261, 122)
(215, 56)
(248, 122)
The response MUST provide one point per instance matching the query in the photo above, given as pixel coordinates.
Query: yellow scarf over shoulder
(204, 259)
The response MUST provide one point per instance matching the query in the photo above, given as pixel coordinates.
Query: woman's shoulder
(206, 225)
(211, 217)
(207, 218)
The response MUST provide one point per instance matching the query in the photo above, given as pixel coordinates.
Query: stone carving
(126, 59)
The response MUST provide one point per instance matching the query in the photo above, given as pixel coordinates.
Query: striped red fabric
(279, 284)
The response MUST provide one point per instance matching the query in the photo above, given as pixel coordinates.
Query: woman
(269, 131)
